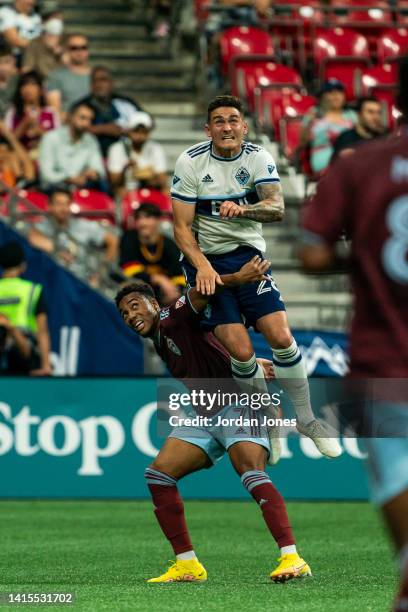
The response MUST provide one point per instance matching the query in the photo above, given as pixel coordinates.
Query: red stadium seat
(292, 27)
(93, 205)
(133, 200)
(392, 44)
(30, 207)
(275, 104)
(402, 12)
(295, 106)
(243, 40)
(247, 75)
(341, 54)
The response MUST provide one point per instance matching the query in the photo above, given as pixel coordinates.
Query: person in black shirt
(148, 255)
(368, 126)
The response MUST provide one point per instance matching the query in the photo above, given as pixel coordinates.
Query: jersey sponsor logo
(271, 168)
(173, 347)
(176, 179)
(164, 313)
(207, 179)
(242, 176)
(181, 302)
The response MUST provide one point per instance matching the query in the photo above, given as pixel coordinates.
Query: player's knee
(242, 353)
(282, 339)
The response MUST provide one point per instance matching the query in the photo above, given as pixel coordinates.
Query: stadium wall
(92, 438)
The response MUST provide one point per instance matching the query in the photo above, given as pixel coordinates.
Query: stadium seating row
(89, 204)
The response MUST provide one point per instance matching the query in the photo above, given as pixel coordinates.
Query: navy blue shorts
(245, 304)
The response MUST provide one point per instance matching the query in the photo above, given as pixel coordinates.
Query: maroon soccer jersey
(188, 351)
(366, 194)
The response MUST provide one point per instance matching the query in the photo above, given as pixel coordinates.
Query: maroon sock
(169, 511)
(272, 505)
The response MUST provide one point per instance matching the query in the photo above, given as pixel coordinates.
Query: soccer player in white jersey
(223, 190)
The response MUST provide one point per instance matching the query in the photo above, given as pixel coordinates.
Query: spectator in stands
(136, 161)
(24, 337)
(69, 84)
(324, 124)
(72, 240)
(369, 125)
(29, 117)
(16, 167)
(19, 24)
(148, 255)
(44, 54)
(71, 155)
(8, 77)
(112, 111)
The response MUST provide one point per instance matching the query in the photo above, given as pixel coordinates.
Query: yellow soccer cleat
(183, 571)
(290, 566)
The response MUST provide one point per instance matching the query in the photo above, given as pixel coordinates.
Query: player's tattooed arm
(271, 207)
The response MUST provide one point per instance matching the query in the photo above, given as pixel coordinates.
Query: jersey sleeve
(265, 168)
(327, 214)
(184, 184)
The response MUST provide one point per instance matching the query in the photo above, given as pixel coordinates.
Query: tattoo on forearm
(271, 206)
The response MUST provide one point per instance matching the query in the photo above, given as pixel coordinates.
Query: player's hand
(230, 210)
(254, 270)
(267, 367)
(206, 280)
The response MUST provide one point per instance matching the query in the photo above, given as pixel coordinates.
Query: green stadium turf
(104, 550)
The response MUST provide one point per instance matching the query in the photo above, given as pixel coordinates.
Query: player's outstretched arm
(253, 271)
(183, 216)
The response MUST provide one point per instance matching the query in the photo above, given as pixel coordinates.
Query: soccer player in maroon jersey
(191, 353)
(366, 194)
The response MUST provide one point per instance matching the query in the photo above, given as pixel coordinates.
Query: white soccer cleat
(316, 431)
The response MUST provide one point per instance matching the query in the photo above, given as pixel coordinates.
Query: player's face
(370, 117)
(227, 129)
(139, 313)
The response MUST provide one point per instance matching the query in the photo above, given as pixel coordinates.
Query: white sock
(186, 556)
(291, 372)
(249, 375)
(288, 550)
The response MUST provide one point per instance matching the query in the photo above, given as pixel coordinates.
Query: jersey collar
(226, 159)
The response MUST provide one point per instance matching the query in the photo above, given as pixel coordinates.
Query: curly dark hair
(135, 287)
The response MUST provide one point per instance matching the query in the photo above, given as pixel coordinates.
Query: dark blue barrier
(87, 334)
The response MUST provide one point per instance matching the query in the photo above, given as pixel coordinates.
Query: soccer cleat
(290, 566)
(190, 570)
(317, 432)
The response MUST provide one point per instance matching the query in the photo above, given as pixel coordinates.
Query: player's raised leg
(291, 372)
(248, 373)
(249, 459)
(176, 459)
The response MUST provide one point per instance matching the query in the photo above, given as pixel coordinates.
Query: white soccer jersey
(205, 180)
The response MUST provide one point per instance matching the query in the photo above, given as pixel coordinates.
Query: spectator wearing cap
(369, 125)
(71, 83)
(44, 54)
(112, 111)
(135, 161)
(148, 255)
(19, 24)
(71, 155)
(24, 337)
(73, 240)
(324, 124)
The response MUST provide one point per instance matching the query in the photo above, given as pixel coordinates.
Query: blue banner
(325, 353)
(87, 334)
(93, 438)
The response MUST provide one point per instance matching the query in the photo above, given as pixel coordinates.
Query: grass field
(103, 551)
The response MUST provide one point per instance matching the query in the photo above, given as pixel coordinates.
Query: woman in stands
(324, 123)
(29, 117)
